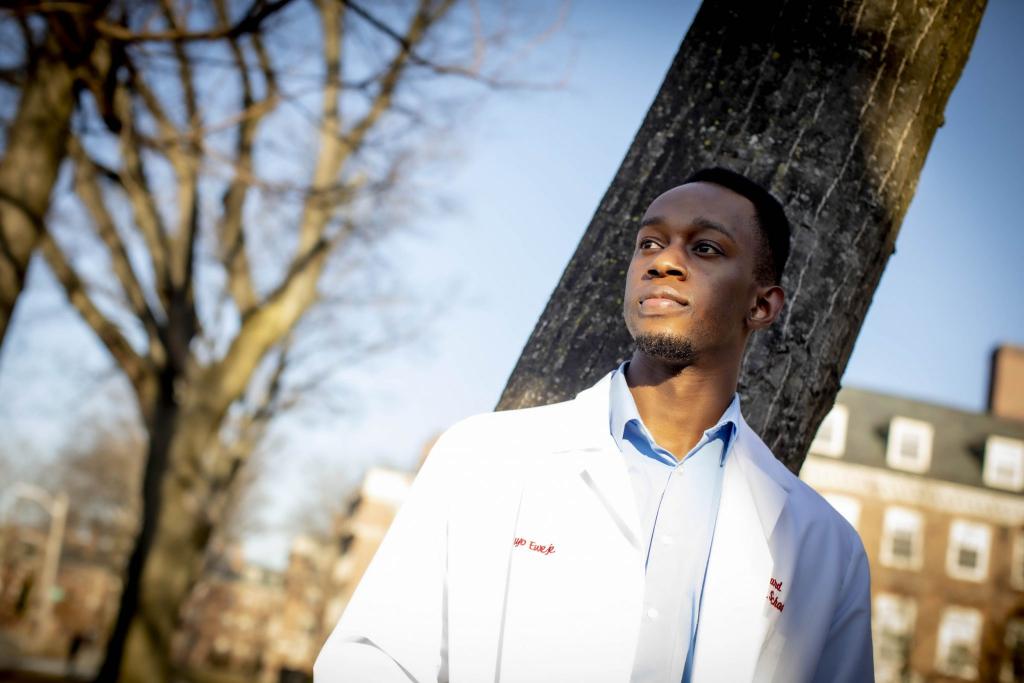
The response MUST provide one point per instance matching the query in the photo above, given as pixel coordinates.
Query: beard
(666, 347)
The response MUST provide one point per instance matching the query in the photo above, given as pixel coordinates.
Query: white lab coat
(457, 593)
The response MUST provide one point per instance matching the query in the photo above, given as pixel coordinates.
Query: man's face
(690, 287)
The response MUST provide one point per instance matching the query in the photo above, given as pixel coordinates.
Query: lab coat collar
(605, 471)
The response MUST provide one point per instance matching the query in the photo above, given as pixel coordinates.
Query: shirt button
(667, 540)
(652, 613)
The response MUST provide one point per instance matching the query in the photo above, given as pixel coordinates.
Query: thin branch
(185, 160)
(231, 235)
(334, 148)
(14, 76)
(250, 22)
(138, 369)
(421, 22)
(473, 72)
(45, 6)
(88, 189)
(135, 183)
(330, 156)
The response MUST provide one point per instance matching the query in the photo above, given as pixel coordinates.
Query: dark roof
(958, 446)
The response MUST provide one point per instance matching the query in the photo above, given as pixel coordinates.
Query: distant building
(84, 599)
(295, 632)
(224, 622)
(937, 495)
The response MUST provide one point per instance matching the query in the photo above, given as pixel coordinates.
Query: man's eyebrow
(699, 221)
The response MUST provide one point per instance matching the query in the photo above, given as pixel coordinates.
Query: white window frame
(893, 616)
(964, 535)
(899, 429)
(902, 519)
(1003, 452)
(831, 437)
(958, 624)
(848, 506)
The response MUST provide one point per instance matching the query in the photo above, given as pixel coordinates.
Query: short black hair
(771, 219)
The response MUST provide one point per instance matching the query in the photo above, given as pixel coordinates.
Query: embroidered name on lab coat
(521, 542)
(775, 600)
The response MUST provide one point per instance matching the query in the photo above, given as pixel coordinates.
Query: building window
(910, 445)
(1004, 463)
(1013, 661)
(902, 538)
(847, 506)
(831, 437)
(968, 550)
(959, 638)
(893, 625)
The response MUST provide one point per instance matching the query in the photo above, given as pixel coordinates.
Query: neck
(679, 403)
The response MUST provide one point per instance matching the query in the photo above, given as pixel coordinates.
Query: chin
(671, 348)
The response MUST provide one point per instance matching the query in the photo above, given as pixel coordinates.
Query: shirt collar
(622, 411)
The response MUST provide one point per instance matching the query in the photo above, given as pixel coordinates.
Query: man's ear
(767, 306)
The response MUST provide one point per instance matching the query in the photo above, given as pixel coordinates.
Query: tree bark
(833, 106)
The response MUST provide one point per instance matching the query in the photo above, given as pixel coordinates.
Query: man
(640, 532)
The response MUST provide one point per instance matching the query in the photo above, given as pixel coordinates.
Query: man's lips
(659, 305)
(661, 300)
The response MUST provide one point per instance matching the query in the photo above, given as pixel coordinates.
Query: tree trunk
(161, 424)
(831, 107)
(172, 538)
(36, 141)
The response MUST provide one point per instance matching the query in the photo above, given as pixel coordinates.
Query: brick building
(937, 495)
(295, 632)
(224, 622)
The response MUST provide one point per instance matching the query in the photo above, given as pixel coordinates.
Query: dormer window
(831, 437)
(1004, 463)
(910, 445)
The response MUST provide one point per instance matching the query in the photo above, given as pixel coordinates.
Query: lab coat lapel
(603, 468)
(770, 496)
(737, 619)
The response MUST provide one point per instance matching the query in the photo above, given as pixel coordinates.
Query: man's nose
(667, 265)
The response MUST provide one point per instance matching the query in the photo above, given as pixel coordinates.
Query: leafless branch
(88, 189)
(138, 369)
(233, 252)
(135, 183)
(473, 72)
(250, 22)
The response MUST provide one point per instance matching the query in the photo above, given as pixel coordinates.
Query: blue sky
(532, 168)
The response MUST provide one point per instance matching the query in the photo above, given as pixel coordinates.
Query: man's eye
(706, 248)
(648, 243)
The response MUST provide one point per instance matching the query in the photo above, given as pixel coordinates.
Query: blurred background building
(936, 495)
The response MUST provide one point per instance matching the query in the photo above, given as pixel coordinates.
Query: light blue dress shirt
(678, 506)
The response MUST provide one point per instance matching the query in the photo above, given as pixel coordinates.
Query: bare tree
(833, 106)
(233, 159)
